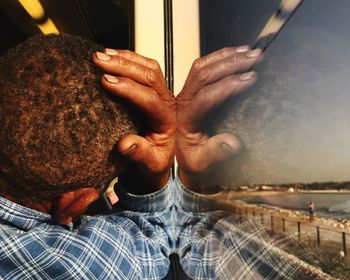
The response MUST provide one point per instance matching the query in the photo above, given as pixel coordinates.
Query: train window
(295, 122)
(233, 23)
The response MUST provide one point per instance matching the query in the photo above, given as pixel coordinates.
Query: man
(156, 216)
(59, 131)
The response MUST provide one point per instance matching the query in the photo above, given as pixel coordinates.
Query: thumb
(134, 147)
(141, 152)
(215, 150)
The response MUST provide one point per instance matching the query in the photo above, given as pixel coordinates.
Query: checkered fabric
(214, 244)
(127, 245)
(136, 240)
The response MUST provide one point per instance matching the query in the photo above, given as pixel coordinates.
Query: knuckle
(123, 61)
(151, 77)
(232, 82)
(129, 53)
(227, 51)
(233, 59)
(154, 65)
(204, 75)
(198, 64)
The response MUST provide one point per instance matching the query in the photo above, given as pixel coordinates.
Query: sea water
(328, 205)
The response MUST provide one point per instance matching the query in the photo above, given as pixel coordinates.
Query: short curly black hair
(58, 126)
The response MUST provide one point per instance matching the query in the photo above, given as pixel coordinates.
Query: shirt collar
(22, 217)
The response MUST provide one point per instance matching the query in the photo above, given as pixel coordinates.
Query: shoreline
(236, 199)
(307, 232)
(239, 194)
(230, 202)
(297, 215)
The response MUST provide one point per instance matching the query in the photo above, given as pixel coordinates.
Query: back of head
(58, 127)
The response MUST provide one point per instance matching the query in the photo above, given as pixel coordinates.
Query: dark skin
(212, 80)
(139, 81)
(172, 126)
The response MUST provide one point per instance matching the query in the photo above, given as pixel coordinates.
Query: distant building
(243, 188)
(266, 188)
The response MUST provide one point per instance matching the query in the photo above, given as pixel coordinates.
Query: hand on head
(212, 80)
(170, 126)
(139, 81)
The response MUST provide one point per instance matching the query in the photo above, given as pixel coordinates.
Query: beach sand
(323, 238)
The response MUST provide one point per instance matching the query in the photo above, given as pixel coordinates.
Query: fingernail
(103, 56)
(247, 76)
(242, 49)
(130, 150)
(254, 53)
(111, 79)
(111, 51)
(228, 149)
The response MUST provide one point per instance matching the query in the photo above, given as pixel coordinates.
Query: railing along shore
(300, 228)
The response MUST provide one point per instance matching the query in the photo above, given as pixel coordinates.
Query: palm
(141, 83)
(210, 83)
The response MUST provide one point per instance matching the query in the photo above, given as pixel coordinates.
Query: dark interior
(108, 22)
(293, 124)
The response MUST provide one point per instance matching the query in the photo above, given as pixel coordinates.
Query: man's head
(58, 127)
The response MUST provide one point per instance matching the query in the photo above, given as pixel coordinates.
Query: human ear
(71, 205)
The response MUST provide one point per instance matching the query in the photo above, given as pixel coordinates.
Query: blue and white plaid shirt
(136, 241)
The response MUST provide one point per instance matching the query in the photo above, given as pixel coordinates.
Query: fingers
(222, 54)
(137, 58)
(134, 67)
(148, 157)
(137, 94)
(160, 114)
(134, 147)
(212, 97)
(208, 70)
(237, 63)
(140, 82)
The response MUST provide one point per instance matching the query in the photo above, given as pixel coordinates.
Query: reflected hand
(139, 81)
(212, 80)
